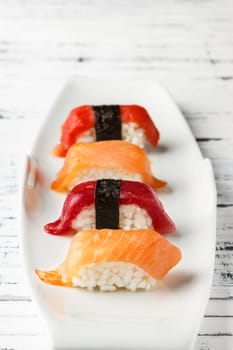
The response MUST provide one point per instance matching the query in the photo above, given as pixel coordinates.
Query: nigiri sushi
(131, 123)
(111, 204)
(110, 259)
(105, 159)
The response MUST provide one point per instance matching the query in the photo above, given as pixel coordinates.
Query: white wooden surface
(187, 45)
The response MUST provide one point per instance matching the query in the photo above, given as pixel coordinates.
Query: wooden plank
(214, 342)
(25, 342)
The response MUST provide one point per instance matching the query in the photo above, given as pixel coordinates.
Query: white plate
(164, 319)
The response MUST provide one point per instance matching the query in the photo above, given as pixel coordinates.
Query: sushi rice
(130, 133)
(130, 217)
(109, 276)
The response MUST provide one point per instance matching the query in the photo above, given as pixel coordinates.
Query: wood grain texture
(187, 45)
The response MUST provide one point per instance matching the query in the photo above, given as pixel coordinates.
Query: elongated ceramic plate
(167, 318)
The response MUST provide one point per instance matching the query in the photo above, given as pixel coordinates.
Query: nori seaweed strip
(107, 122)
(107, 196)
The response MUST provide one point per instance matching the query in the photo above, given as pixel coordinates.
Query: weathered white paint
(188, 45)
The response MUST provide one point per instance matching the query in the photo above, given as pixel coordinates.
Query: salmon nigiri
(107, 122)
(111, 259)
(111, 204)
(104, 159)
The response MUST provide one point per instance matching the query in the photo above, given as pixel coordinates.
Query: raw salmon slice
(104, 159)
(145, 250)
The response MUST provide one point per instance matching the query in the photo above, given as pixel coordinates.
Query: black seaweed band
(107, 122)
(107, 196)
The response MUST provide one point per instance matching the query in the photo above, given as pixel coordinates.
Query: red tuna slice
(82, 118)
(131, 192)
(79, 120)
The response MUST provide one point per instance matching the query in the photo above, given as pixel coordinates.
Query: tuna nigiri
(104, 159)
(111, 259)
(111, 204)
(108, 122)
